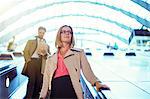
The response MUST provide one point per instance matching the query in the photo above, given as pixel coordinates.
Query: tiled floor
(128, 77)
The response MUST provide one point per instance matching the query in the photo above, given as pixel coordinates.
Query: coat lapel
(68, 61)
(69, 64)
(34, 45)
(69, 53)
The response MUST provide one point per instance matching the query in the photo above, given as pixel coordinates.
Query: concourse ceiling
(99, 21)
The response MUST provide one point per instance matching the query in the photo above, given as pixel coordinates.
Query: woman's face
(66, 35)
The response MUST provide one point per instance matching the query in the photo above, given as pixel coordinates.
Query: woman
(62, 71)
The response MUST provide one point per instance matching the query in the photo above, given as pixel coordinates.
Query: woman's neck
(64, 49)
(65, 45)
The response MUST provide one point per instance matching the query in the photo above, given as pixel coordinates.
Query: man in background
(35, 54)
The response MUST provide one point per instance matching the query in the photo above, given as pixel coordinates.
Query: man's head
(41, 32)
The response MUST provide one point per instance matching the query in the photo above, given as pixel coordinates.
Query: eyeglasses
(65, 32)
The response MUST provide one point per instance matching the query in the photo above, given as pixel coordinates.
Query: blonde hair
(58, 43)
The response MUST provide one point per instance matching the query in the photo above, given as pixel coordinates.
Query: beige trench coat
(75, 60)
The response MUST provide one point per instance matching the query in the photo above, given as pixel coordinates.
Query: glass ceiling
(100, 22)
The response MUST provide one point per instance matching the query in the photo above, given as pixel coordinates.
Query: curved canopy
(99, 22)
